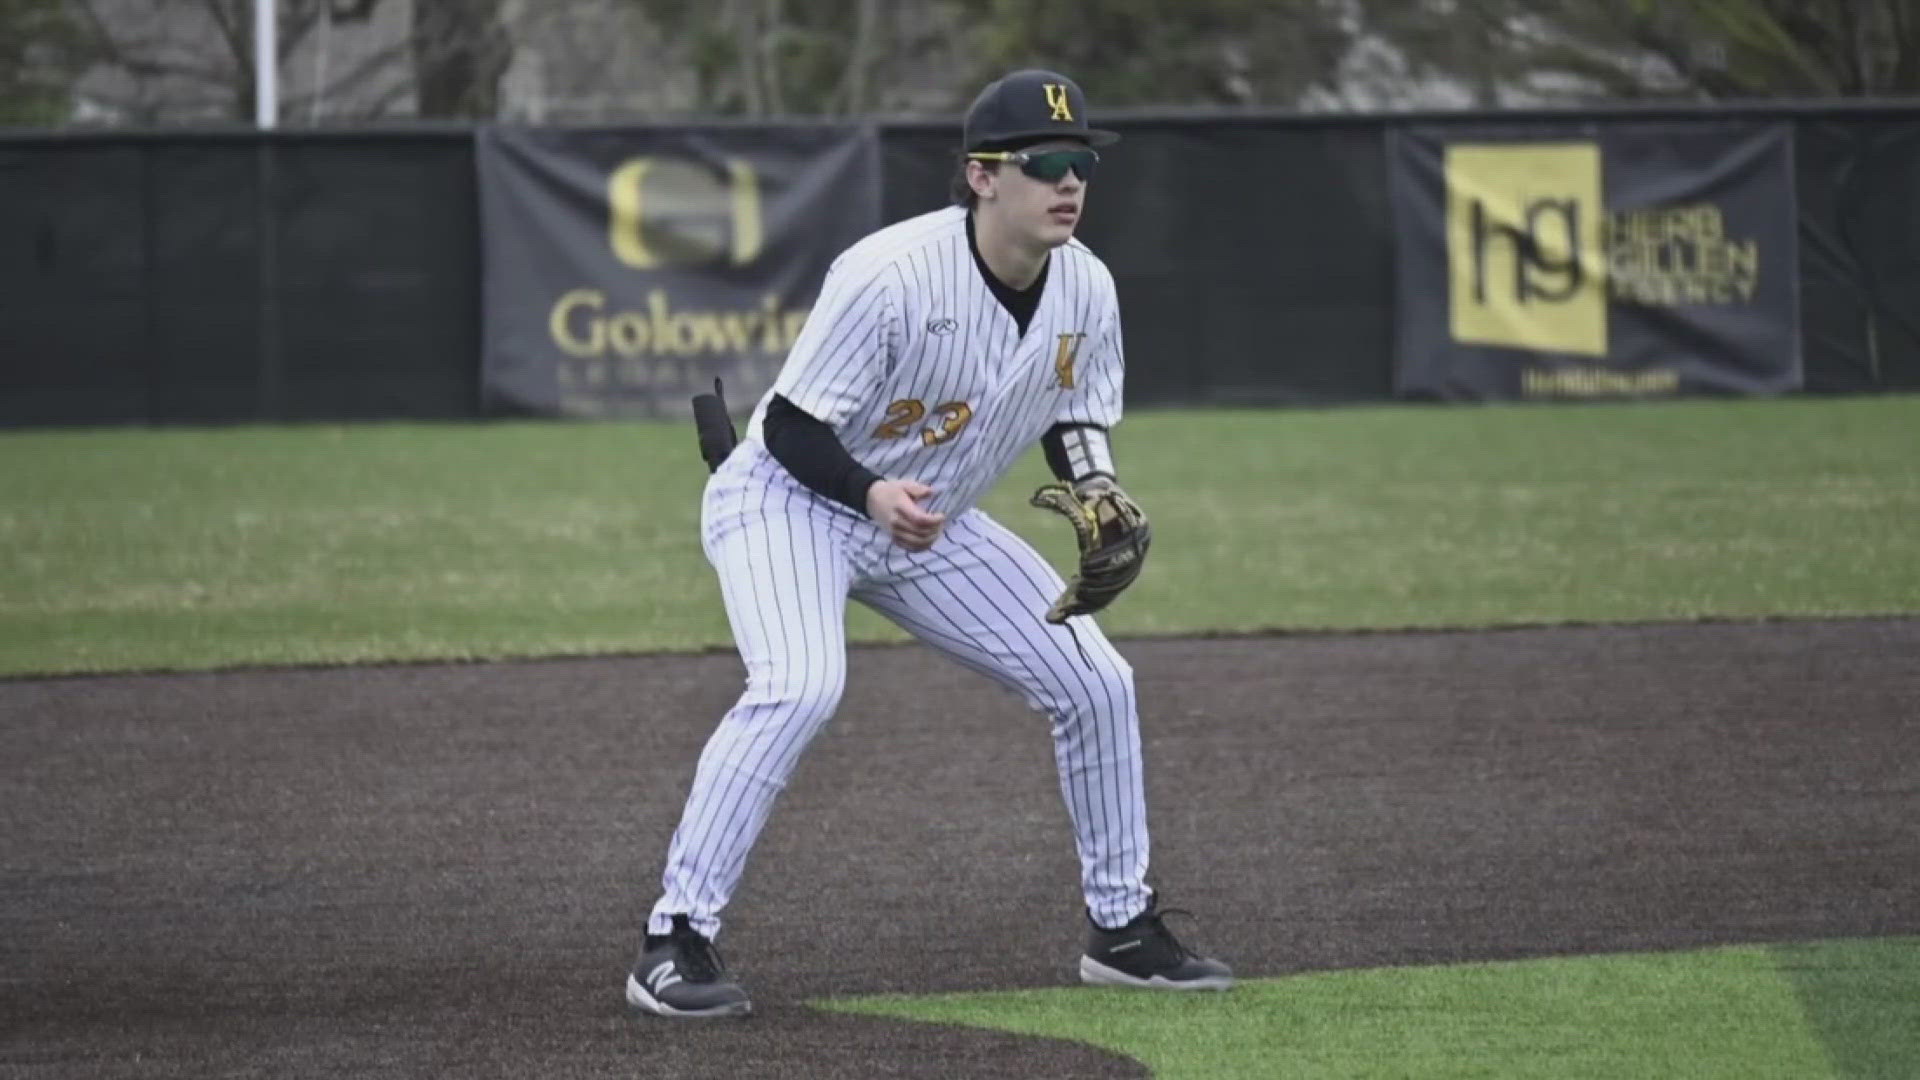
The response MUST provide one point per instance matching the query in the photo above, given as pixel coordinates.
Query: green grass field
(191, 549)
(131, 549)
(1840, 1009)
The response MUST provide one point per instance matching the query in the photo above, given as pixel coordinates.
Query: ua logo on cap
(1057, 101)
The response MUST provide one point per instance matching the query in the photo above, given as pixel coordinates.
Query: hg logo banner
(1583, 259)
(1523, 247)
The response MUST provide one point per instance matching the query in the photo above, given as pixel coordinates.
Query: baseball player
(939, 349)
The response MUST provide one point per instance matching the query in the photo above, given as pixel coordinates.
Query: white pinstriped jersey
(923, 374)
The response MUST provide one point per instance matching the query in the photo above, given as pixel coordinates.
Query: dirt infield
(441, 869)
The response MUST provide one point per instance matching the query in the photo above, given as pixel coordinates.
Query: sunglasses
(1048, 166)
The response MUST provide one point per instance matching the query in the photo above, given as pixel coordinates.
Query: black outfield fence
(235, 276)
(217, 277)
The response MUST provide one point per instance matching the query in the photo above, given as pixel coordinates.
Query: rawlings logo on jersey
(1063, 359)
(942, 326)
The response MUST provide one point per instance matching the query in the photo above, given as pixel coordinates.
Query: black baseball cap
(1030, 106)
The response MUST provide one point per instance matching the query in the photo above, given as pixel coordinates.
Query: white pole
(266, 65)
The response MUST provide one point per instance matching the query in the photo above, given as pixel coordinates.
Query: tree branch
(232, 34)
(368, 66)
(291, 27)
(1905, 78)
(853, 89)
(351, 10)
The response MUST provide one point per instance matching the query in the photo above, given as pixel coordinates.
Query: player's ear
(980, 177)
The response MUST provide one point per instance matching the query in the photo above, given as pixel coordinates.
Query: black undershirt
(806, 446)
(808, 449)
(1020, 303)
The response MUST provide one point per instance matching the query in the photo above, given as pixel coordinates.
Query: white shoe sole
(638, 997)
(1095, 973)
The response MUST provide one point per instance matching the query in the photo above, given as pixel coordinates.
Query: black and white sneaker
(1145, 954)
(680, 974)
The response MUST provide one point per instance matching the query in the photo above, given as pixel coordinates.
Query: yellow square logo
(1524, 263)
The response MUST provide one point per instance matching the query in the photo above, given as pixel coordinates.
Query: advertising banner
(1635, 260)
(625, 269)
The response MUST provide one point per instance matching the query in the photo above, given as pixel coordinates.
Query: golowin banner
(624, 269)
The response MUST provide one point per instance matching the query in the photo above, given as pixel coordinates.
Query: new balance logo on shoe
(662, 977)
(680, 974)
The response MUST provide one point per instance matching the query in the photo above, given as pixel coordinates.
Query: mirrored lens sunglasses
(1048, 165)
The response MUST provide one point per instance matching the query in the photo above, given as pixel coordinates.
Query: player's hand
(894, 505)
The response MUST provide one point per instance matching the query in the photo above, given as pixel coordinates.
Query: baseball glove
(1113, 534)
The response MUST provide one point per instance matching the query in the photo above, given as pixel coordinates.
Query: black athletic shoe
(1144, 953)
(681, 974)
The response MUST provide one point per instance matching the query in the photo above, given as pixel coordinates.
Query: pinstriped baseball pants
(788, 560)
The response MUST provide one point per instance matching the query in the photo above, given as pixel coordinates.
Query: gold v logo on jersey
(1057, 101)
(1063, 359)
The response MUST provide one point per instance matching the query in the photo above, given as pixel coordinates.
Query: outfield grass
(1841, 1009)
(199, 548)
(129, 549)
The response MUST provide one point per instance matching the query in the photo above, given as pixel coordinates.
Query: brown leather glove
(1113, 535)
